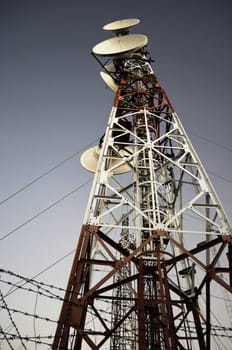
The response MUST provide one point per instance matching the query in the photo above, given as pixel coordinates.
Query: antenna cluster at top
(124, 43)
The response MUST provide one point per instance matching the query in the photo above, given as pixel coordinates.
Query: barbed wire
(28, 314)
(47, 319)
(53, 296)
(50, 291)
(37, 340)
(5, 306)
(30, 280)
(38, 274)
(5, 338)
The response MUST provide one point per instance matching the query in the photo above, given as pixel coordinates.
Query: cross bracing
(150, 187)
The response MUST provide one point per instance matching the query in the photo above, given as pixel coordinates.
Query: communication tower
(155, 237)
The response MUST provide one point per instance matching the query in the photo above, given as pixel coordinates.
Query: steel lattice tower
(154, 232)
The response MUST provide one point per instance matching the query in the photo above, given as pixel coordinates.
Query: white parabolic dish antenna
(122, 25)
(89, 160)
(120, 45)
(109, 81)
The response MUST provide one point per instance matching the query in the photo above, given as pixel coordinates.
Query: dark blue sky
(54, 103)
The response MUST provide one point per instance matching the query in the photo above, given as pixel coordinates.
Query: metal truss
(144, 287)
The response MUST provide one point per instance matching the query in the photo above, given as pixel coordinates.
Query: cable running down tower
(155, 237)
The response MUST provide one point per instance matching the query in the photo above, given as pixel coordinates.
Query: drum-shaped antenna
(89, 160)
(109, 81)
(121, 26)
(120, 45)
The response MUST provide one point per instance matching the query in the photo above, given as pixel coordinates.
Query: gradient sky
(54, 103)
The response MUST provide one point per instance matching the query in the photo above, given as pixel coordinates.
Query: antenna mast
(144, 256)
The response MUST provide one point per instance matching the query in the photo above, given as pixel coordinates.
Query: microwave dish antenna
(120, 45)
(109, 81)
(89, 160)
(122, 26)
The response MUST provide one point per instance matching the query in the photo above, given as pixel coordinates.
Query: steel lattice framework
(155, 236)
